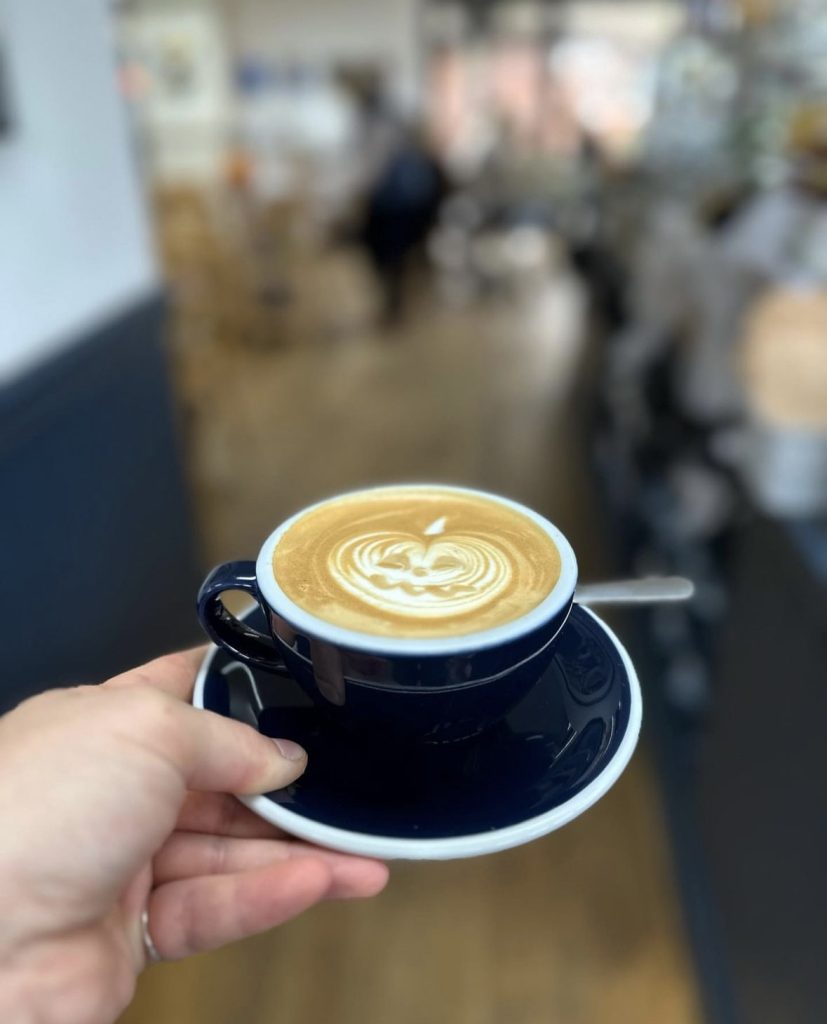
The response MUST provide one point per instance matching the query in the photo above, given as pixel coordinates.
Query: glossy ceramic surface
(433, 697)
(557, 751)
(435, 689)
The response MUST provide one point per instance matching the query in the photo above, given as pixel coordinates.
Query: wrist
(17, 994)
(62, 980)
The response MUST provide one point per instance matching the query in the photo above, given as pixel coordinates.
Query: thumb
(220, 755)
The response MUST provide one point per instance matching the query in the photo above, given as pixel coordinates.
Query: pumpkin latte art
(416, 562)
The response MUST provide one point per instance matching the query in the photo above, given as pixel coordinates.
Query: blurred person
(694, 281)
(120, 844)
(375, 129)
(781, 233)
(778, 236)
(594, 260)
(380, 128)
(401, 208)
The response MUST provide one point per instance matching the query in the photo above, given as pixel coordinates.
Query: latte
(416, 562)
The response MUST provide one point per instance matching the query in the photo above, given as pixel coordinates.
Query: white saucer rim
(454, 847)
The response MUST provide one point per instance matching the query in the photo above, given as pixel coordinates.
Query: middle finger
(188, 855)
(224, 815)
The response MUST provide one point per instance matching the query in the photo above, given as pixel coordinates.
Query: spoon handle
(644, 591)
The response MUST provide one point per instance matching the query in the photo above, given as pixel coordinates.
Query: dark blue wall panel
(97, 544)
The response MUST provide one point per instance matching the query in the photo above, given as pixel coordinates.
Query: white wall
(74, 239)
(330, 30)
(187, 132)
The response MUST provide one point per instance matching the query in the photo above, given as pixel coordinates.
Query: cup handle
(242, 641)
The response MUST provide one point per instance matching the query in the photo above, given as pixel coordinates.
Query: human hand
(114, 799)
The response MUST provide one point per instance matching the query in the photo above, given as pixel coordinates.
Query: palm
(221, 875)
(135, 818)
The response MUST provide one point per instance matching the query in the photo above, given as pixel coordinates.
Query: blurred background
(253, 253)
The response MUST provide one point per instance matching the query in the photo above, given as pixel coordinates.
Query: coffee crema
(418, 562)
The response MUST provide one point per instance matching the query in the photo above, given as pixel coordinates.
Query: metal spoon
(643, 591)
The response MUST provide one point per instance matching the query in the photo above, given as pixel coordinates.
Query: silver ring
(150, 949)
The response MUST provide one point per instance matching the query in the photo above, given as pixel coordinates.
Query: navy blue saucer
(522, 778)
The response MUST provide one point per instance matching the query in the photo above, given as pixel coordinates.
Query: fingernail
(290, 750)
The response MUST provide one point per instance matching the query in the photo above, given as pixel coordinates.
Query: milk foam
(417, 576)
(416, 563)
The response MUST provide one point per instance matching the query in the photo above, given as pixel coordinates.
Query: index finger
(173, 673)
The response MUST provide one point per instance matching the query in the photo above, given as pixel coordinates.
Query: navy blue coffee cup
(398, 688)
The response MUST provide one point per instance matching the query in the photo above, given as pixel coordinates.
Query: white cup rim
(305, 622)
